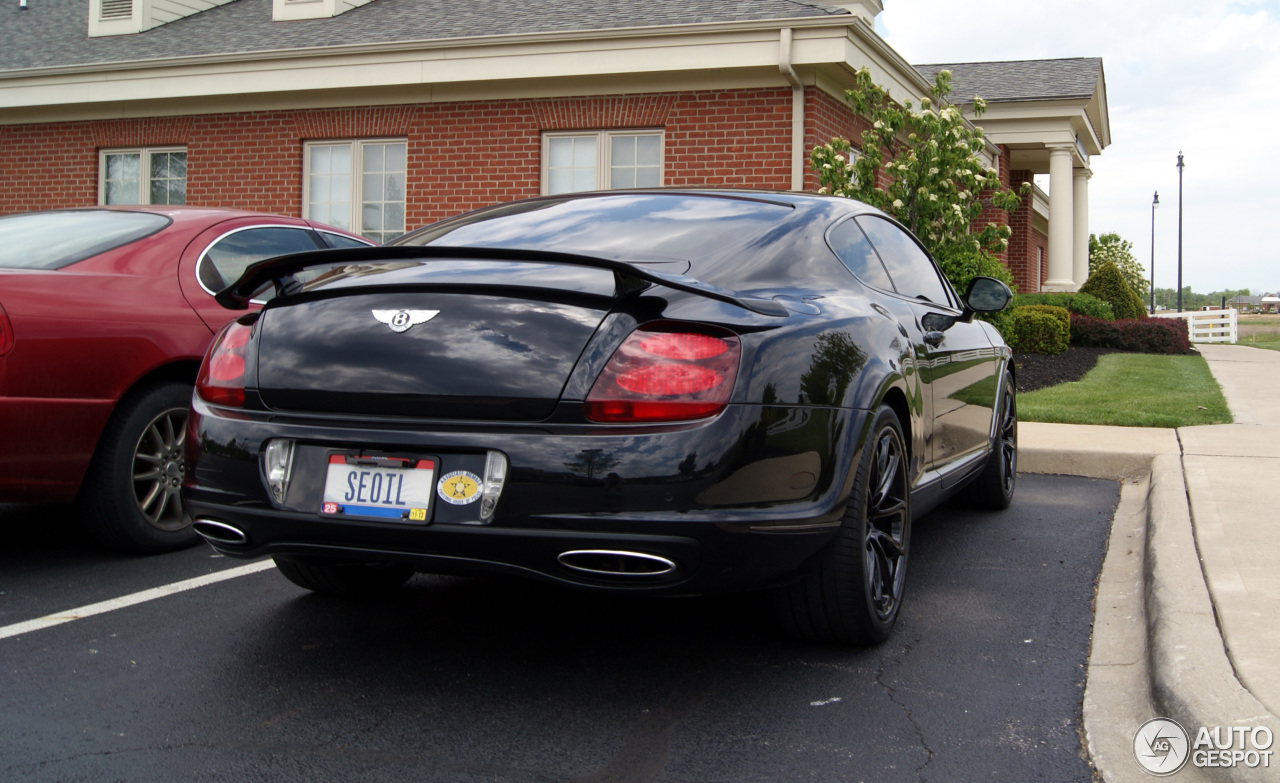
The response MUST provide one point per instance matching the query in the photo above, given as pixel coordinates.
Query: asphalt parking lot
(251, 678)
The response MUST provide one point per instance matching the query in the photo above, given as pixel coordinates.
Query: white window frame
(604, 148)
(144, 169)
(854, 154)
(356, 146)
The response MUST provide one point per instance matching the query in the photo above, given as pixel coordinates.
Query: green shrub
(1109, 285)
(1061, 313)
(1034, 331)
(961, 265)
(1149, 335)
(1079, 303)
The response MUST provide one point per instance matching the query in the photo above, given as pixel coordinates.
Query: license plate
(391, 488)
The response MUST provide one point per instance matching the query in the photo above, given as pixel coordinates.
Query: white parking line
(50, 620)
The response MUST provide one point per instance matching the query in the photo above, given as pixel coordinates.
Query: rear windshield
(659, 225)
(51, 240)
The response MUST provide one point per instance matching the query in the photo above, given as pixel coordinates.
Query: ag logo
(459, 488)
(1161, 746)
(401, 320)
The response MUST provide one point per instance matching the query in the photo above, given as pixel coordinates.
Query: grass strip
(1133, 390)
(1269, 340)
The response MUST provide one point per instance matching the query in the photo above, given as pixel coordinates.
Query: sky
(1198, 76)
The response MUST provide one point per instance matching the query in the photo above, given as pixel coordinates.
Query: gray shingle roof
(1020, 80)
(55, 32)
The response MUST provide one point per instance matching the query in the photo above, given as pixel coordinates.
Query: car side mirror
(987, 295)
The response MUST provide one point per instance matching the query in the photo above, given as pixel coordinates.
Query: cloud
(1195, 76)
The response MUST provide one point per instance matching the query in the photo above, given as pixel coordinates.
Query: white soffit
(1029, 123)
(1098, 112)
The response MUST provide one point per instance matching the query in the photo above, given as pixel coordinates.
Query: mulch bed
(1038, 371)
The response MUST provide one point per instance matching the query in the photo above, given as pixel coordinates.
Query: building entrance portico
(1051, 117)
(1069, 176)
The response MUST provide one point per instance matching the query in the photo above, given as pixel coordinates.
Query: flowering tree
(922, 167)
(1111, 247)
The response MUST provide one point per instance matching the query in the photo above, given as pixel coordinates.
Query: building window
(602, 160)
(148, 175)
(357, 185)
(853, 154)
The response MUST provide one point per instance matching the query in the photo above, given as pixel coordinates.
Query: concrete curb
(1114, 453)
(1192, 679)
(1157, 650)
(1117, 694)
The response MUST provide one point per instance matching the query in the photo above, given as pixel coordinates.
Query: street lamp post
(1179, 230)
(1155, 202)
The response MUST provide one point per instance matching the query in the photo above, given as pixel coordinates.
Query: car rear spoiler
(629, 277)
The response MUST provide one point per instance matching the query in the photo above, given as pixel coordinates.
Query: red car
(105, 314)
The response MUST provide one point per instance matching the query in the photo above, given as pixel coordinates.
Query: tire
(852, 591)
(355, 580)
(130, 500)
(993, 488)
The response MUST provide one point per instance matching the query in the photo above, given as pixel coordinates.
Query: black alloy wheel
(993, 488)
(885, 527)
(852, 592)
(131, 498)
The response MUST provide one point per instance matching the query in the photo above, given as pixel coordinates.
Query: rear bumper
(706, 559)
(736, 502)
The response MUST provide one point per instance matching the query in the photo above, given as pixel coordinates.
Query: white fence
(1208, 326)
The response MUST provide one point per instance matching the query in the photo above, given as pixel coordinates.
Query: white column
(1061, 223)
(1081, 216)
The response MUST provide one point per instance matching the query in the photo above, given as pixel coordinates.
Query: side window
(914, 275)
(852, 247)
(342, 240)
(228, 257)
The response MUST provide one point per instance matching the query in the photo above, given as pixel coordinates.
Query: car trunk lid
(439, 354)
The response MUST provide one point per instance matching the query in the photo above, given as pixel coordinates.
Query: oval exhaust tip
(220, 532)
(610, 562)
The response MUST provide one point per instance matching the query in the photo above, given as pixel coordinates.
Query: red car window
(52, 240)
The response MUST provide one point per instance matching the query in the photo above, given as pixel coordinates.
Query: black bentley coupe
(663, 392)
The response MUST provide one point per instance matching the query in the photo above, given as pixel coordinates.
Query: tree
(1108, 284)
(1119, 251)
(836, 359)
(1168, 297)
(922, 167)
(591, 463)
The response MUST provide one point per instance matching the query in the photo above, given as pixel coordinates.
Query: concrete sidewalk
(1187, 620)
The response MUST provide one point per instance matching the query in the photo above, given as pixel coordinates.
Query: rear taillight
(221, 379)
(6, 333)
(666, 373)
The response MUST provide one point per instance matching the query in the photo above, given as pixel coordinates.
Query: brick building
(385, 115)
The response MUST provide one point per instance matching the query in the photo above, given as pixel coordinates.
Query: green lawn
(1133, 390)
(1261, 340)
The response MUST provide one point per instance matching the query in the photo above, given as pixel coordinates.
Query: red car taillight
(6, 333)
(221, 379)
(666, 373)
